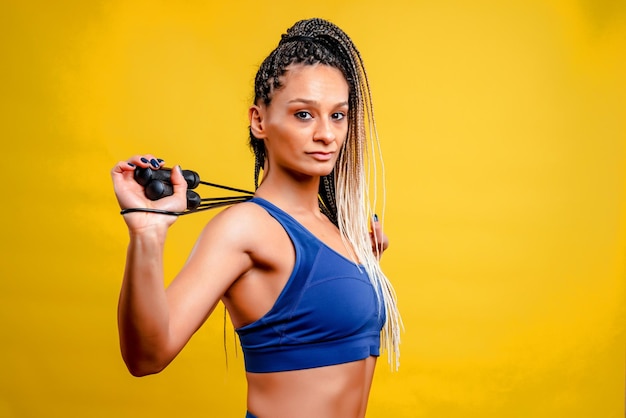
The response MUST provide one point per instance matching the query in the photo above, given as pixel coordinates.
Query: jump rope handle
(158, 184)
(143, 176)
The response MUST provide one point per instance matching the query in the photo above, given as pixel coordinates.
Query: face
(306, 123)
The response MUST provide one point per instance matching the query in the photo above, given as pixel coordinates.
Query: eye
(303, 115)
(338, 115)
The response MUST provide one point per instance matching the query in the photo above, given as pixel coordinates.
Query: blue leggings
(249, 415)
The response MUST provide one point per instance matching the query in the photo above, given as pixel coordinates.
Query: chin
(324, 172)
(316, 170)
(313, 173)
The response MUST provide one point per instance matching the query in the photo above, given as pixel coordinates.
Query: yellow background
(503, 126)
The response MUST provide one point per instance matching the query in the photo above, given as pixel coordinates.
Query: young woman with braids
(296, 266)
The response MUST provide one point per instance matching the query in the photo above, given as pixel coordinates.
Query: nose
(324, 131)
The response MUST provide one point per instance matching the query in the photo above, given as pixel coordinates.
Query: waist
(333, 391)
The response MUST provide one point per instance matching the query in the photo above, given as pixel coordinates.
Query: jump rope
(158, 184)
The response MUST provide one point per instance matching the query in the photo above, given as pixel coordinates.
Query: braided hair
(344, 193)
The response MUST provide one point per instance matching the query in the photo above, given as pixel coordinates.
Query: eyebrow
(314, 102)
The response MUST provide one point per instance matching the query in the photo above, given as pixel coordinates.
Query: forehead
(313, 82)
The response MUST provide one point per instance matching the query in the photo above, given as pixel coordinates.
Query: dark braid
(310, 42)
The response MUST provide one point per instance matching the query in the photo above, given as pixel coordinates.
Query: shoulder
(240, 216)
(242, 238)
(229, 242)
(242, 225)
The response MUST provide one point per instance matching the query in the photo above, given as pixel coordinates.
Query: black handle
(193, 200)
(157, 189)
(144, 176)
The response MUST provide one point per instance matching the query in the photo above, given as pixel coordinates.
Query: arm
(143, 314)
(155, 323)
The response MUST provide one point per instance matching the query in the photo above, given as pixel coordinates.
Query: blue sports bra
(326, 314)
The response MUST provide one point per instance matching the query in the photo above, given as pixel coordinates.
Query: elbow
(145, 356)
(143, 368)
(141, 371)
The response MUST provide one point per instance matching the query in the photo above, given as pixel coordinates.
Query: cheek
(279, 131)
(343, 133)
(341, 144)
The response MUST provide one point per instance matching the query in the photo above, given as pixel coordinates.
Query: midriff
(338, 391)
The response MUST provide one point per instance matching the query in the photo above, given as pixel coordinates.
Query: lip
(321, 155)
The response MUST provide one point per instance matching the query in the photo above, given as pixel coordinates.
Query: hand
(380, 242)
(130, 194)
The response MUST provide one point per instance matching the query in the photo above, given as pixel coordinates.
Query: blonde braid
(353, 187)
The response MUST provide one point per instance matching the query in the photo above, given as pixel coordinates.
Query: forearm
(143, 313)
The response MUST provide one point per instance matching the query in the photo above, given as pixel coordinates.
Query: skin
(243, 257)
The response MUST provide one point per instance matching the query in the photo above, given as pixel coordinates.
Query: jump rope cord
(219, 186)
(200, 208)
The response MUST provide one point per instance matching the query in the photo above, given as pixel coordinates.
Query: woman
(295, 266)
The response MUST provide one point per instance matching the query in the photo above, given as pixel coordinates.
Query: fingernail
(131, 164)
(144, 160)
(159, 160)
(375, 218)
(154, 163)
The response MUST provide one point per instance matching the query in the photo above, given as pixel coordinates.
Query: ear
(256, 116)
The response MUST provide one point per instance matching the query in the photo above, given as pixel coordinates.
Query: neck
(297, 195)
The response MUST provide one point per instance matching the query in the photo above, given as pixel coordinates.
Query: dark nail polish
(131, 164)
(144, 160)
(154, 163)
(375, 218)
(159, 160)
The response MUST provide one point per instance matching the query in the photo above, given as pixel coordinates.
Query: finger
(147, 160)
(380, 242)
(123, 166)
(178, 181)
(376, 228)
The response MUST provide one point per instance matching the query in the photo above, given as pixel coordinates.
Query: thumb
(178, 180)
